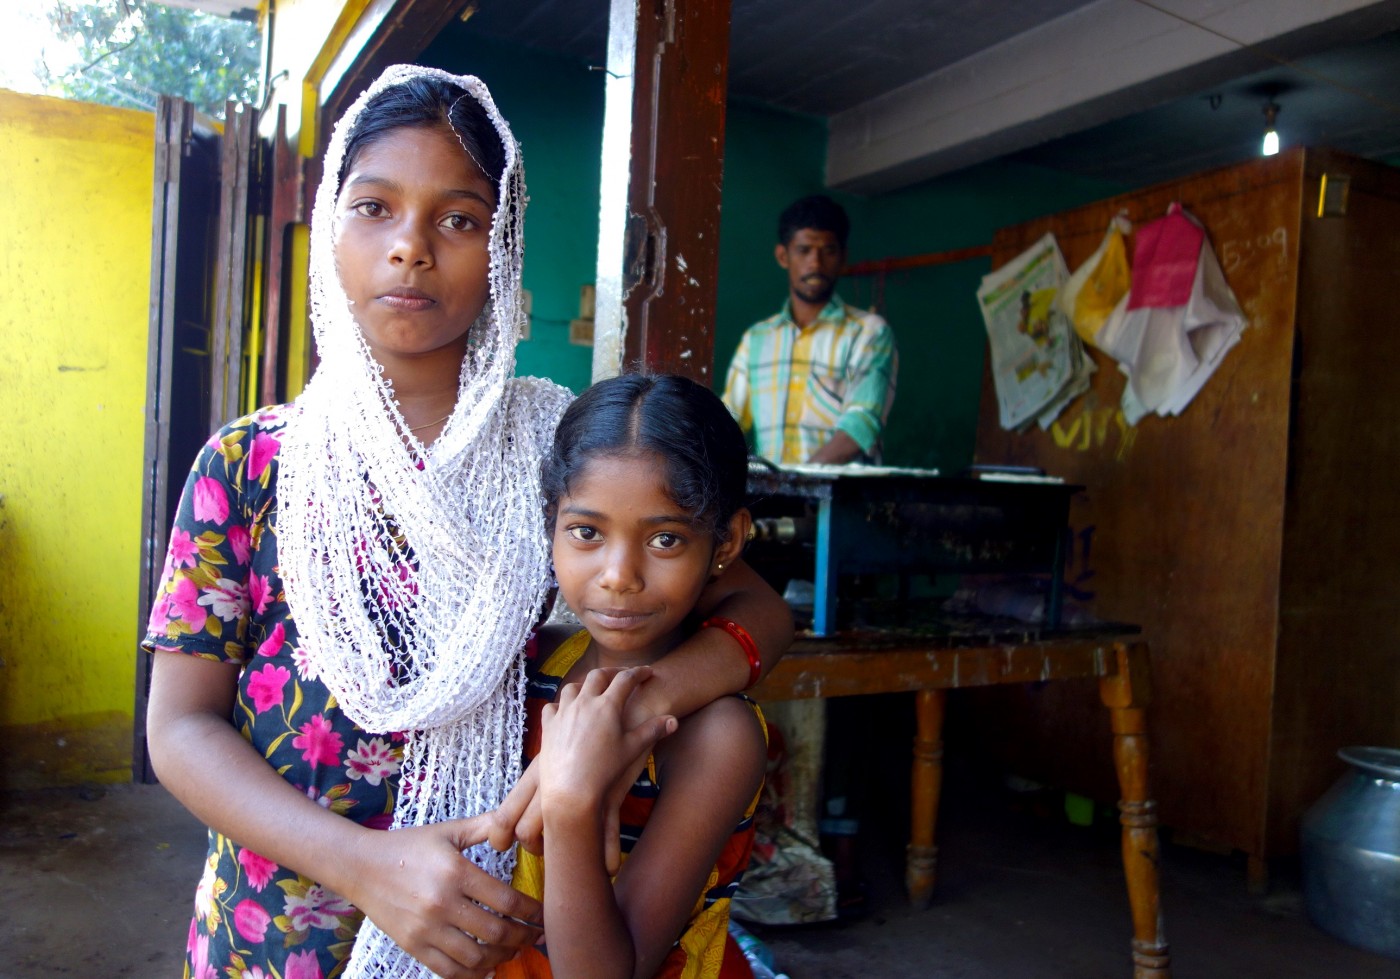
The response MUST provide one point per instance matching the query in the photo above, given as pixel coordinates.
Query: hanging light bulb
(1270, 132)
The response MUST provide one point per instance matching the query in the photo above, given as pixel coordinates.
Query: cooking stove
(832, 522)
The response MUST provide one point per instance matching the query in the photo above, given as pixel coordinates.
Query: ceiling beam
(1106, 60)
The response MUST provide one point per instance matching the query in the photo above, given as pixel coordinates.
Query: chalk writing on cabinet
(1092, 428)
(1238, 250)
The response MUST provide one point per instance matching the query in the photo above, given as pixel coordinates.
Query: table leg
(926, 784)
(824, 575)
(1125, 694)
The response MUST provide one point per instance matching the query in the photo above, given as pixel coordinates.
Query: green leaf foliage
(130, 51)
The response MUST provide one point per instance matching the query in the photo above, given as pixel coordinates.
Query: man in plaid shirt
(815, 382)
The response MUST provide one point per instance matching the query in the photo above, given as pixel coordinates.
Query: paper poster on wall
(1038, 365)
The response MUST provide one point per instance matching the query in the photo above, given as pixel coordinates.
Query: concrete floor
(99, 884)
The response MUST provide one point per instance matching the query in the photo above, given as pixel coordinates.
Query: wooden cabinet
(1256, 537)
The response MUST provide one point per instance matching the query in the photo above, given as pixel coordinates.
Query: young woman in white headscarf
(352, 578)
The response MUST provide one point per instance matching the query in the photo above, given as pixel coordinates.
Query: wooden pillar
(663, 159)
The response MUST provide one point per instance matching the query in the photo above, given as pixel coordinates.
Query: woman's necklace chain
(418, 428)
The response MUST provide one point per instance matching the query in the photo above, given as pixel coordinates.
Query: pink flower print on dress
(184, 599)
(317, 908)
(319, 743)
(251, 920)
(372, 761)
(265, 687)
(210, 501)
(272, 645)
(160, 613)
(241, 542)
(390, 582)
(381, 820)
(258, 593)
(227, 598)
(199, 961)
(257, 867)
(302, 965)
(184, 552)
(265, 446)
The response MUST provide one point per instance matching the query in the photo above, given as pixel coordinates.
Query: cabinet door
(1180, 527)
(1336, 682)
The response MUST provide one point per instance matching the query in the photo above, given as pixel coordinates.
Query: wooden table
(881, 662)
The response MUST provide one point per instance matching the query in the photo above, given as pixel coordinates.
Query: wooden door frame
(658, 247)
(672, 56)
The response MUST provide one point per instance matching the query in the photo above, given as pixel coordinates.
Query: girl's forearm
(585, 932)
(711, 664)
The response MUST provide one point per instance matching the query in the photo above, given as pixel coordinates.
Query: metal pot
(1351, 853)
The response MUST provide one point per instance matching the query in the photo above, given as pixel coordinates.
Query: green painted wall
(75, 249)
(770, 159)
(555, 106)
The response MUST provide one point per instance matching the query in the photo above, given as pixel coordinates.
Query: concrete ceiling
(1127, 90)
(814, 56)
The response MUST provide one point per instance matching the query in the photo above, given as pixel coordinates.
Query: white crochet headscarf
(415, 573)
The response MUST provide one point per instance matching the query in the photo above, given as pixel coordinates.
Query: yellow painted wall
(75, 247)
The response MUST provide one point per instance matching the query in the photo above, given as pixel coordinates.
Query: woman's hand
(518, 820)
(413, 883)
(437, 905)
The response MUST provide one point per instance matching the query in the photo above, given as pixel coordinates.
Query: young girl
(351, 579)
(644, 492)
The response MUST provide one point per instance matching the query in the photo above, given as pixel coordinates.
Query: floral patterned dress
(221, 598)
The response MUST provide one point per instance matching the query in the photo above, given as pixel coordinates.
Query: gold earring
(719, 567)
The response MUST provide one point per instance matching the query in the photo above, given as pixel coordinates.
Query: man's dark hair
(817, 212)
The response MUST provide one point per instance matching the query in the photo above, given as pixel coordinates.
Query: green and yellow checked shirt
(792, 389)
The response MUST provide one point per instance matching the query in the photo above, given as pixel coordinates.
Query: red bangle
(745, 642)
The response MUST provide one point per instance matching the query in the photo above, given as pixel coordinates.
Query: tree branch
(105, 55)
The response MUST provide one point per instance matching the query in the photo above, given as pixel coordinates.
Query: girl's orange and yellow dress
(704, 949)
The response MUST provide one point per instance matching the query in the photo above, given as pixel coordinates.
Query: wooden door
(1336, 682)
(200, 301)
